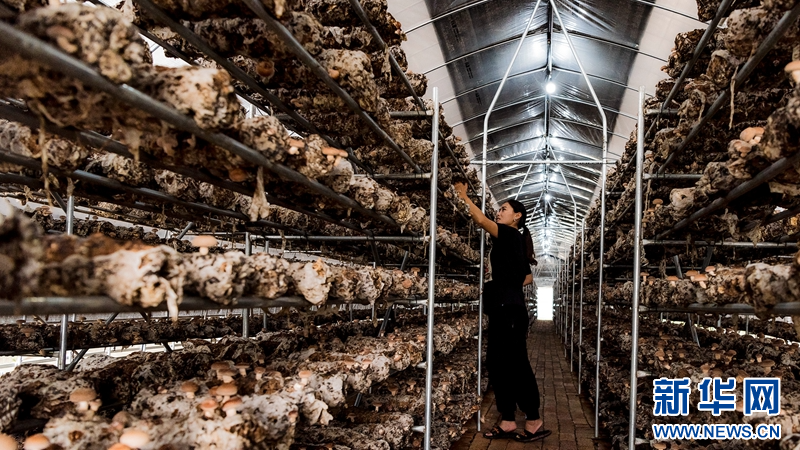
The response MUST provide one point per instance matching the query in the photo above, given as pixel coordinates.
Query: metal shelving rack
(35, 49)
(782, 309)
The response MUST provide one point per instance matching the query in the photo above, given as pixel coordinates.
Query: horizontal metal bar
(673, 176)
(410, 114)
(667, 111)
(102, 304)
(33, 48)
(99, 141)
(722, 243)
(540, 161)
(347, 238)
(781, 309)
(402, 176)
(762, 177)
(144, 192)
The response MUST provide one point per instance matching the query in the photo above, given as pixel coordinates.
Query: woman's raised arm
(477, 216)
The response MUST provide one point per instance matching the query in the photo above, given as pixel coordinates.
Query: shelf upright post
(572, 314)
(637, 270)
(248, 250)
(564, 307)
(432, 271)
(602, 216)
(580, 312)
(483, 194)
(62, 352)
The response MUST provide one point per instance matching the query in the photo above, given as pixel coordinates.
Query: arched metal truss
(481, 2)
(528, 121)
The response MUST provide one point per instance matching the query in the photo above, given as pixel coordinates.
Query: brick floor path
(569, 416)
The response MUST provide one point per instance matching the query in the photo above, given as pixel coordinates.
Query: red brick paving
(569, 416)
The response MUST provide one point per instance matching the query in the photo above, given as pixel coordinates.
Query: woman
(509, 269)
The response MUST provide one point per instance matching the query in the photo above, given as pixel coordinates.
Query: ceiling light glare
(550, 87)
(548, 197)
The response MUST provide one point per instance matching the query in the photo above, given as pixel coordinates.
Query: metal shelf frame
(33, 48)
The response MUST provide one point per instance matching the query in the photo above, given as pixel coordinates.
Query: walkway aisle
(568, 416)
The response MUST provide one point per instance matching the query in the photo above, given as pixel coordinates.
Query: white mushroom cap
(122, 418)
(792, 66)
(242, 368)
(119, 446)
(231, 405)
(227, 389)
(227, 375)
(134, 438)
(82, 395)
(748, 134)
(7, 442)
(208, 406)
(219, 365)
(36, 442)
(203, 242)
(260, 371)
(189, 388)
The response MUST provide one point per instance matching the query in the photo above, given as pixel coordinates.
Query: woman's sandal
(530, 437)
(498, 433)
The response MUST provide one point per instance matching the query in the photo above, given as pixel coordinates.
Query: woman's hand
(461, 189)
(475, 212)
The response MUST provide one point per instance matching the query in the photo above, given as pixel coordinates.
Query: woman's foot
(533, 426)
(533, 431)
(503, 430)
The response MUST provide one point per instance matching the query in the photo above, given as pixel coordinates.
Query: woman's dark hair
(518, 207)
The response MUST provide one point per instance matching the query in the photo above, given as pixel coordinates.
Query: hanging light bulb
(550, 87)
(548, 197)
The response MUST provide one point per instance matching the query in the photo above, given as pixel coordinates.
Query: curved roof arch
(465, 47)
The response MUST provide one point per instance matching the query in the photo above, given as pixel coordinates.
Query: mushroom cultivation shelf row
(214, 394)
(296, 127)
(706, 198)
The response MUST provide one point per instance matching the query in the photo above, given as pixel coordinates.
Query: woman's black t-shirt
(508, 268)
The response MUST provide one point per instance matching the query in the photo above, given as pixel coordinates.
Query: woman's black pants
(510, 370)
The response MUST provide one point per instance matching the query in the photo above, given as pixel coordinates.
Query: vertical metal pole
(432, 272)
(566, 303)
(572, 315)
(483, 195)
(637, 270)
(580, 313)
(83, 352)
(556, 312)
(602, 214)
(62, 354)
(248, 250)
